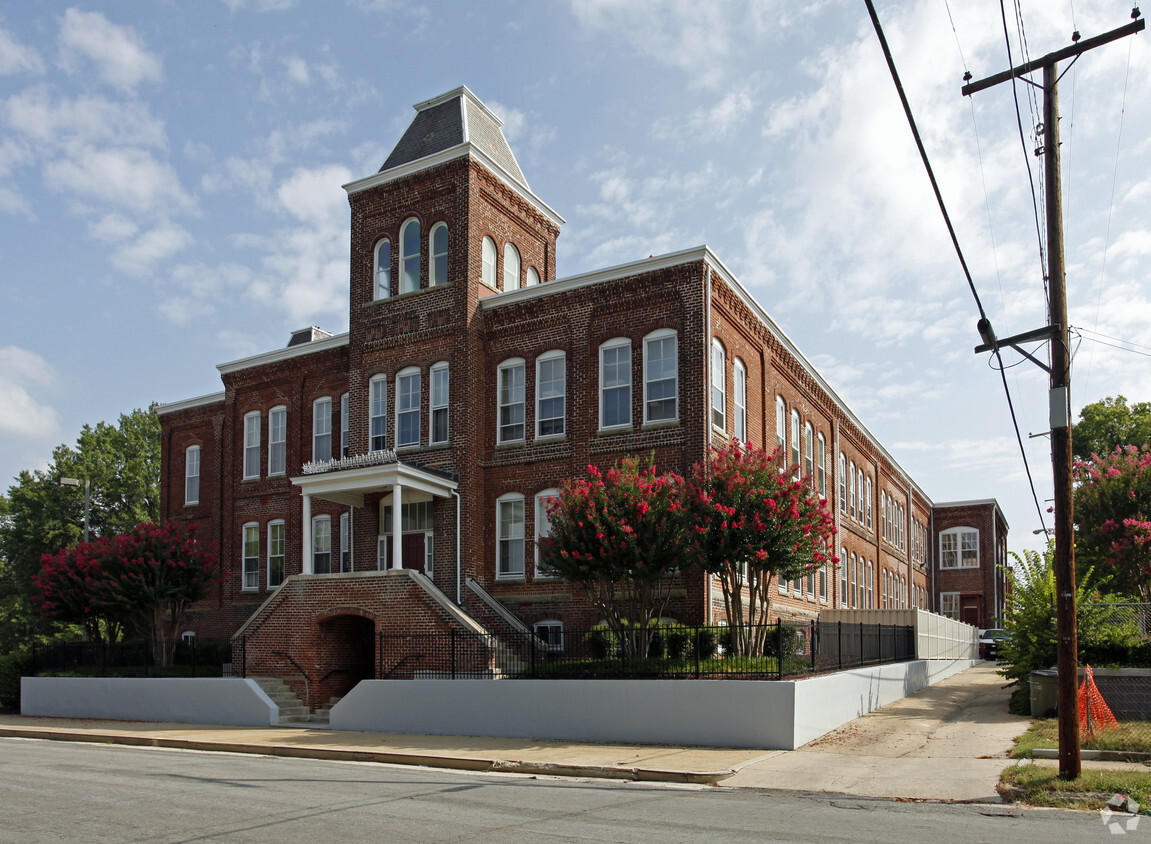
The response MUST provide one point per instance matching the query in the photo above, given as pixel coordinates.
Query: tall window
(870, 586)
(718, 385)
(438, 404)
(842, 482)
(511, 267)
(408, 389)
(543, 525)
(378, 420)
(851, 480)
(275, 553)
(660, 377)
(780, 429)
(192, 475)
(615, 384)
(869, 497)
(410, 256)
(510, 535)
(843, 578)
(383, 269)
(883, 513)
(322, 545)
(277, 440)
(859, 512)
(252, 446)
(902, 519)
(438, 250)
(795, 440)
(821, 457)
(345, 426)
(531, 277)
(345, 542)
(511, 402)
(854, 584)
(488, 268)
(739, 371)
(959, 548)
(322, 429)
(809, 452)
(250, 570)
(551, 390)
(823, 582)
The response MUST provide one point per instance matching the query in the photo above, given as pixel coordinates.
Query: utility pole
(1060, 370)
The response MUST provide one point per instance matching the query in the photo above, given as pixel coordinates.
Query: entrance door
(970, 610)
(413, 548)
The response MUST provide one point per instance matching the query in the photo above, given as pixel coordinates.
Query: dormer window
(438, 250)
(410, 257)
(383, 271)
(511, 267)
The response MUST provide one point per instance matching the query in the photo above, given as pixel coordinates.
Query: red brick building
(391, 478)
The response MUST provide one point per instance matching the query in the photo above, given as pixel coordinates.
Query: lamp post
(87, 498)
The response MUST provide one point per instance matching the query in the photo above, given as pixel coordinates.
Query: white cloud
(21, 414)
(112, 228)
(129, 178)
(141, 255)
(118, 52)
(17, 58)
(83, 120)
(297, 69)
(260, 5)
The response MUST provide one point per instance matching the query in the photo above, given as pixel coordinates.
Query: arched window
(718, 385)
(959, 548)
(851, 494)
(383, 271)
(532, 277)
(488, 269)
(883, 514)
(410, 256)
(780, 429)
(438, 250)
(511, 267)
(869, 496)
(842, 483)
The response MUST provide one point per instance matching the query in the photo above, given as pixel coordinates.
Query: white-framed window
(821, 459)
(870, 586)
(410, 256)
(277, 440)
(408, 389)
(276, 552)
(859, 512)
(511, 409)
(438, 403)
(780, 430)
(322, 545)
(543, 525)
(378, 413)
(718, 385)
(843, 573)
(511, 267)
(192, 475)
(615, 383)
(959, 548)
(252, 445)
(782, 586)
(661, 376)
(322, 429)
(854, 584)
(884, 576)
(551, 394)
(851, 480)
(510, 536)
(345, 426)
(883, 513)
(823, 583)
(809, 453)
(383, 269)
(345, 542)
(842, 483)
(250, 564)
(811, 583)
(531, 277)
(739, 396)
(488, 266)
(795, 440)
(438, 252)
(902, 519)
(551, 633)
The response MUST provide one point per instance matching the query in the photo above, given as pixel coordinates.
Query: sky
(171, 172)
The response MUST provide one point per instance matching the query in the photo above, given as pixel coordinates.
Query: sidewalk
(948, 742)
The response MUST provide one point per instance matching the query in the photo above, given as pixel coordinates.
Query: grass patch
(1039, 785)
(1044, 732)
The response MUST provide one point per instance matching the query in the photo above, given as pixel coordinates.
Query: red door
(413, 551)
(970, 610)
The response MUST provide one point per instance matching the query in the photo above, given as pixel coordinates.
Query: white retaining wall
(205, 700)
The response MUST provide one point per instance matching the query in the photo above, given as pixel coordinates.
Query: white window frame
(378, 410)
(321, 542)
(546, 392)
(250, 556)
(409, 261)
(508, 397)
(960, 555)
(795, 454)
(739, 398)
(883, 513)
(439, 397)
(322, 429)
(345, 542)
(531, 277)
(853, 581)
(252, 445)
(488, 263)
(553, 640)
(506, 544)
(382, 270)
(277, 441)
(870, 585)
(821, 457)
(437, 258)
(649, 360)
(851, 481)
(614, 345)
(345, 426)
(191, 475)
(781, 431)
(408, 405)
(718, 385)
(902, 535)
(541, 522)
(823, 584)
(843, 577)
(843, 483)
(277, 526)
(859, 512)
(809, 453)
(512, 265)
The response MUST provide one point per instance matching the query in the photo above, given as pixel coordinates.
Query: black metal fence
(768, 652)
(192, 658)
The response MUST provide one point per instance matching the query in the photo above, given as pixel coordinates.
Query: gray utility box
(1127, 691)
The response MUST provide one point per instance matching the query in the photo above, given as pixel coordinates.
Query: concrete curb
(386, 757)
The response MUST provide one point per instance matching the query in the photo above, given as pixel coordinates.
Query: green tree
(1113, 517)
(1107, 424)
(747, 522)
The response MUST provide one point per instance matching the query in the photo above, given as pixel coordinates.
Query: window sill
(251, 480)
(551, 438)
(511, 578)
(521, 443)
(191, 503)
(614, 429)
(662, 423)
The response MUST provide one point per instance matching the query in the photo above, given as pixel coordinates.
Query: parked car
(991, 642)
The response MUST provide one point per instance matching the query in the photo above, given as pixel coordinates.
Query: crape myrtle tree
(142, 580)
(1113, 517)
(748, 520)
(617, 536)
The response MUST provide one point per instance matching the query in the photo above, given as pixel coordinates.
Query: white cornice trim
(314, 347)
(451, 154)
(188, 404)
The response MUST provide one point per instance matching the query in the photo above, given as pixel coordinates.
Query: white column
(397, 535)
(307, 540)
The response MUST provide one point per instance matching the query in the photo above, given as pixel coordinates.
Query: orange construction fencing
(1094, 713)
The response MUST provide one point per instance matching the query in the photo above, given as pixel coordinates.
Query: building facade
(395, 477)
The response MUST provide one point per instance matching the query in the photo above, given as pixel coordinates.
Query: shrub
(13, 666)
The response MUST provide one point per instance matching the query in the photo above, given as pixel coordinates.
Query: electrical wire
(954, 239)
(1109, 337)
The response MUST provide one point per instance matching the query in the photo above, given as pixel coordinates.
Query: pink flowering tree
(1113, 516)
(748, 522)
(617, 536)
(143, 580)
